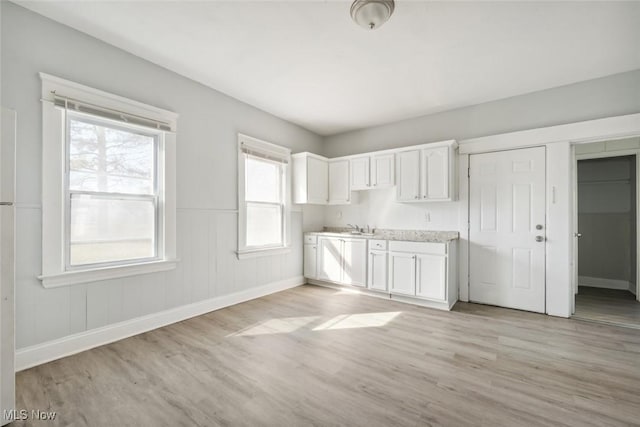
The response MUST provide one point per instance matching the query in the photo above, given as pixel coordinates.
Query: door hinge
(468, 172)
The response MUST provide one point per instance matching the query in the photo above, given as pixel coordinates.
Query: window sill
(69, 278)
(253, 253)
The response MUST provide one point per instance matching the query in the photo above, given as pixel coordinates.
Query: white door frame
(7, 264)
(558, 140)
(603, 155)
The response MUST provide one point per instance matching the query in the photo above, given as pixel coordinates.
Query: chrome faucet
(355, 227)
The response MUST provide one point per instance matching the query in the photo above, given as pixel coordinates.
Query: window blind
(276, 155)
(95, 110)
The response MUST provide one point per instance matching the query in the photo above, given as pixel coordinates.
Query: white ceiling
(307, 62)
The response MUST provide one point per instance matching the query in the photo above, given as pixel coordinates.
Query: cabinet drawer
(310, 240)
(377, 245)
(418, 247)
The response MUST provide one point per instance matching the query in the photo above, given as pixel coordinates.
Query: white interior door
(7, 193)
(507, 229)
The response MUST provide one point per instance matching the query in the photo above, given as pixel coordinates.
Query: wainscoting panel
(208, 269)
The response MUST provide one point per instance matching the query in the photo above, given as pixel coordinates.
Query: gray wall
(609, 96)
(606, 218)
(206, 180)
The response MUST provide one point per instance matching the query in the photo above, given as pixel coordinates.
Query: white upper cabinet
(310, 179)
(408, 165)
(422, 173)
(383, 170)
(429, 178)
(375, 171)
(436, 178)
(360, 173)
(339, 185)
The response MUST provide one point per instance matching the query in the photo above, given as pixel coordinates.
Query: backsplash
(379, 209)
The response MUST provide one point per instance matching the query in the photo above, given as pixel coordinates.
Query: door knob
(539, 239)
(578, 235)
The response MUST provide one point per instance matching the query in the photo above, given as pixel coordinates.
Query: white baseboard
(46, 352)
(597, 282)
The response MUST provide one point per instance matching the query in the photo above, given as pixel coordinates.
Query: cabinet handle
(417, 197)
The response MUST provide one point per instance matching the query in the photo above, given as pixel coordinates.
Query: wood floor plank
(314, 356)
(611, 306)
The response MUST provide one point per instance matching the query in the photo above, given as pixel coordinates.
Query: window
(263, 197)
(112, 192)
(109, 204)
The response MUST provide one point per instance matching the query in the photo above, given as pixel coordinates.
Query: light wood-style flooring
(607, 306)
(314, 356)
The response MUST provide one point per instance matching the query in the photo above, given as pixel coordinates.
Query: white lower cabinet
(418, 269)
(402, 273)
(310, 261)
(377, 275)
(431, 276)
(418, 272)
(354, 258)
(343, 260)
(330, 259)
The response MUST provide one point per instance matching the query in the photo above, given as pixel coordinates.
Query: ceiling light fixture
(371, 14)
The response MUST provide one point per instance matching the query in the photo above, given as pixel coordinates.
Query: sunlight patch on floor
(284, 325)
(287, 325)
(364, 320)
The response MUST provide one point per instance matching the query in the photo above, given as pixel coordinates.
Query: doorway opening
(607, 229)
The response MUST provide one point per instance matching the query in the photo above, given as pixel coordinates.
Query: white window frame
(55, 269)
(275, 151)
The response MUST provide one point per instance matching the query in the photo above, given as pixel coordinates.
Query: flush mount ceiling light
(371, 14)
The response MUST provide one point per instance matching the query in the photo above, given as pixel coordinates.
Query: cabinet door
(377, 277)
(382, 171)
(360, 173)
(330, 259)
(339, 191)
(310, 261)
(317, 181)
(355, 262)
(402, 273)
(435, 185)
(431, 279)
(408, 172)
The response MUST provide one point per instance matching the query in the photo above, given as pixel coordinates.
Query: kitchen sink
(357, 233)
